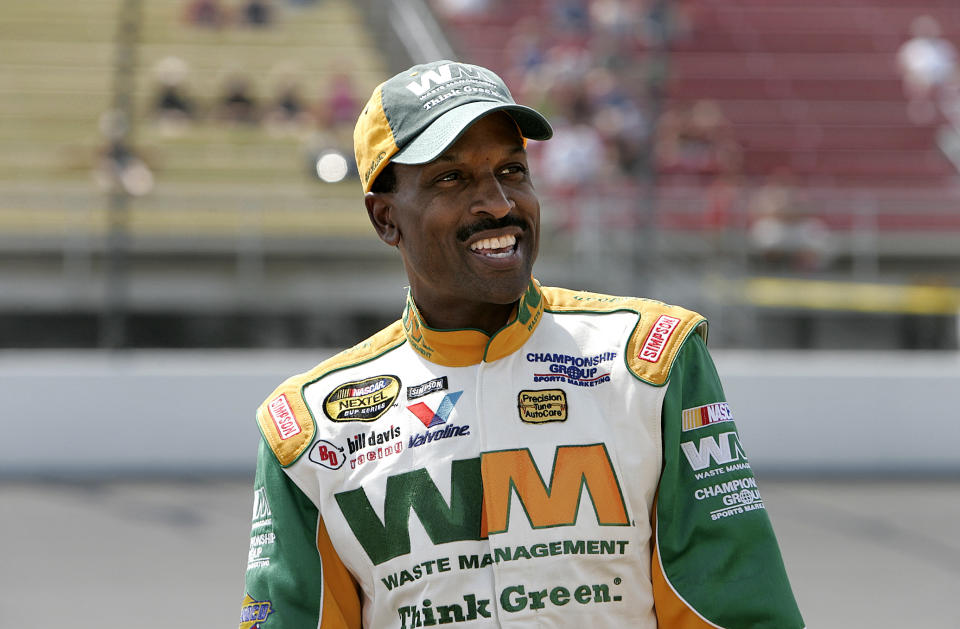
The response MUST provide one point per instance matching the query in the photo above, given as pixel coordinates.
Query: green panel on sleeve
(283, 581)
(714, 537)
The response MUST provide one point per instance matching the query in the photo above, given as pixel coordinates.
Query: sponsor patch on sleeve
(730, 498)
(262, 516)
(658, 337)
(254, 612)
(283, 417)
(542, 406)
(707, 415)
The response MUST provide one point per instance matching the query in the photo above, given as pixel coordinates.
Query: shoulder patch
(654, 342)
(285, 420)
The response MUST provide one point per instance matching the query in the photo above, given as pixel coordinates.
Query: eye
(513, 169)
(448, 176)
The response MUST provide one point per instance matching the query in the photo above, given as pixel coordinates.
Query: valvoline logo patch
(430, 418)
(253, 612)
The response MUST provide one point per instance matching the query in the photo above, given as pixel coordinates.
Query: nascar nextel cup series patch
(362, 400)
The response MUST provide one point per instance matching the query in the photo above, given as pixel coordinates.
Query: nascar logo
(707, 415)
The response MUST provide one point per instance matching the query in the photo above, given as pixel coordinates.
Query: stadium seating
(833, 67)
(236, 224)
(809, 87)
(57, 60)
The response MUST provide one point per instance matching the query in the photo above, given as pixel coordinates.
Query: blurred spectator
(577, 157)
(620, 120)
(237, 103)
(525, 52)
(339, 106)
(667, 21)
(722, 195)
(572, 16)
(699, 140)
(257, 13)
(583, 63)
(926, 61)
(287, 112)
(173, 108)
(462, 8)
(617, 18)
(950, 99)
(118, 168)
(574, 162)
(206, 13)
(783, 232)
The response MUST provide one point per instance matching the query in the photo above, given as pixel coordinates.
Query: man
(506, 454)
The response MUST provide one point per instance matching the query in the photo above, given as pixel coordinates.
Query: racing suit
(578, 467)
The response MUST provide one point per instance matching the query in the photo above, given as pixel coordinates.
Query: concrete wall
(81, 413)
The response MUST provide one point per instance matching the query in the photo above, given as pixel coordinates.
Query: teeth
(494, 243)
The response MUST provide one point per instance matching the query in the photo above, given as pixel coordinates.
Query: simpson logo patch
(254, 612)
(431, 386)
(540, 407)
(693, 418)
(362, 400)
(283, 418)
(657, 339)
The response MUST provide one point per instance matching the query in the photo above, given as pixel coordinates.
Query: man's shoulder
(566, 300)
(285, 420)
(655, 341)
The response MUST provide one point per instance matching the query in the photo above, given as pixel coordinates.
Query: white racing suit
(580, 468)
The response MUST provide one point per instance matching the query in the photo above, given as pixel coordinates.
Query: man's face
(468, 223)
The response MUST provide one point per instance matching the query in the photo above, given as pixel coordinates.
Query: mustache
(490, 223)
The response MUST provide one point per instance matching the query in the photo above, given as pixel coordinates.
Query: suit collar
(461, 348)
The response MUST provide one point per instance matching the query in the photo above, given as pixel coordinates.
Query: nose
(491, 198)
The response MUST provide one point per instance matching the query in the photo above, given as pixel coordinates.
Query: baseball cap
(414, 116)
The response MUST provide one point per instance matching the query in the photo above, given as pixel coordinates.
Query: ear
(380, 213)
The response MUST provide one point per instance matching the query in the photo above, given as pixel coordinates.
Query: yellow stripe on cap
(373, 141)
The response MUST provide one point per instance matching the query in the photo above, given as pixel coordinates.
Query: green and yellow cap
(414, 116)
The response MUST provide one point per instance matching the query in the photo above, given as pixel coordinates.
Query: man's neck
(489, 318)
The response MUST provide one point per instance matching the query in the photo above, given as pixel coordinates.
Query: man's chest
(495, 474)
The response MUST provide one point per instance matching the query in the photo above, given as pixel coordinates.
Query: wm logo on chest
(480, 493)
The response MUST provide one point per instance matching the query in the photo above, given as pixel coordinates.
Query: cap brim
(446, 129)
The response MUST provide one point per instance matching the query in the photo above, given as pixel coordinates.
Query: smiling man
(466, 223)
(506, 454)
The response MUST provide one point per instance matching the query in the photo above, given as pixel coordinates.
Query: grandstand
(810, 94)
(229, 202)
(237, 242)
